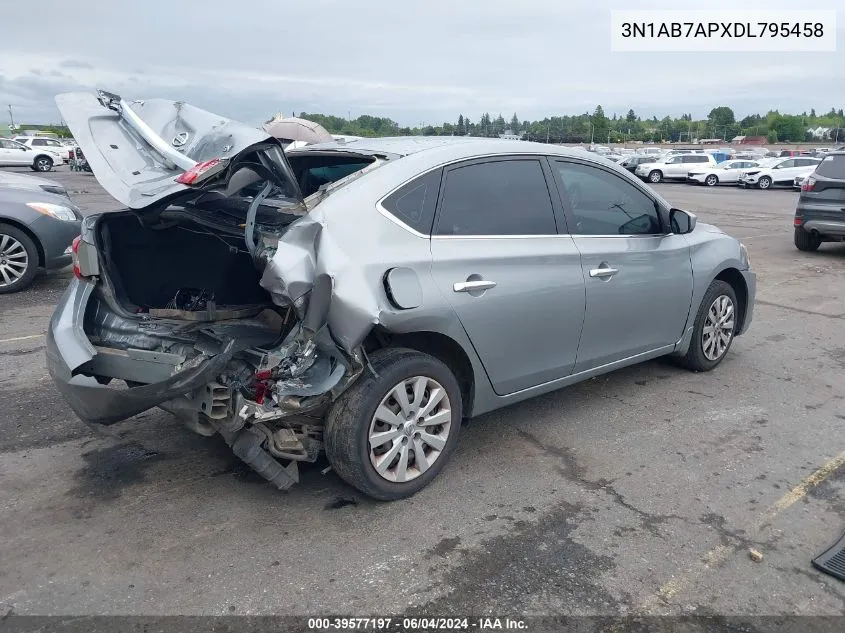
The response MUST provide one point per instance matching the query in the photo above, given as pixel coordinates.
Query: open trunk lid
(138, 151)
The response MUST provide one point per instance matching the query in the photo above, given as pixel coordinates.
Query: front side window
(415, 202)
(605, 204)
(675, 160)
(508, 197)
(785, 164)
(39, 142)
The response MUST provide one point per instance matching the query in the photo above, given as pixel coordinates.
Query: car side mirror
(681, 222)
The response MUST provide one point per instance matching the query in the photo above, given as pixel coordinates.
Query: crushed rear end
(215, 295)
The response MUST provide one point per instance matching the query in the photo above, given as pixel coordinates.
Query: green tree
(461, 129)
(515, 124)
(631, 117)
(772, 136)
(601, 125)
(812, 113)
(721, 116)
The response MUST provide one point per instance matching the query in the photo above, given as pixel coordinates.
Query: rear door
(638, 275)
(513, 280)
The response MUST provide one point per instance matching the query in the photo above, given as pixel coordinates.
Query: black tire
(764, 183)
(695, 358)
(42, 163)
(806, 240)
(711, 180)
(655, 176)
(32, 260)
(348, 423)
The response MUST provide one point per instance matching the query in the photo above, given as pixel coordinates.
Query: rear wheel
(714, 329)
(711, 180)
(18, 259)
(42, 163)
(806, 240)
(765, 182)
(655, 176)
(391, 432)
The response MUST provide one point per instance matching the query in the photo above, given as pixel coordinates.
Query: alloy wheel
(718, 328)
(43, 164)
(13, 260)
(711, 180)
(409, 429)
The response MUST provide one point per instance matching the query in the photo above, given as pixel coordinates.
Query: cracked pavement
(639, 492)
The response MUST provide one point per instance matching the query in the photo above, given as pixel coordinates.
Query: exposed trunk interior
(181, 267)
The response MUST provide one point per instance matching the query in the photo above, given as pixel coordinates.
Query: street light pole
(11, 118)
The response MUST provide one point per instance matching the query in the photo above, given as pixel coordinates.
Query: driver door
(12, 153)
(638, 276)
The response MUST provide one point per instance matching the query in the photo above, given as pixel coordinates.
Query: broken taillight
(808, 184)
(797, 221)
(196, 172)
(74, 253)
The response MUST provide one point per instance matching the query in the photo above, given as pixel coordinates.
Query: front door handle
(469, 286)
(603, 272)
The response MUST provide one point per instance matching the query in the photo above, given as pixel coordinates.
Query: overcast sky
(411, 60)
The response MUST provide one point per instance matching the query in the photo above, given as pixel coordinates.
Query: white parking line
(20, 338)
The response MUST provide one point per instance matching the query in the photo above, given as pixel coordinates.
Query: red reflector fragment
(261, 390)
(798, 221)
(74, 250)
(263, 374)
(193, 174)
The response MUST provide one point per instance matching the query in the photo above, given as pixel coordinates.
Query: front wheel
(392, 431)
(765, 182)
(714, 329)
(18, 259)
(655, 176)
(43, 163)
(711, 180)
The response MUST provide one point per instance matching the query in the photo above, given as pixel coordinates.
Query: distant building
(820, 133)
(711, 141)
(749, 140)
(509, 135)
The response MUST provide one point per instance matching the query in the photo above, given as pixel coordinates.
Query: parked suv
(48, 147)
(631, 162)
(779, 172)
(17, 154)
(820, 214)
(673, 167)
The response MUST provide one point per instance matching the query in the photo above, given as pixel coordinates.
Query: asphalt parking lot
(637, 492)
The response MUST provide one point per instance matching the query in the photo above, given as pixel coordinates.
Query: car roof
(456, 146)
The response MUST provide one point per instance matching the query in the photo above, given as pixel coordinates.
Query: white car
(778, 172)
(673, 167)
(49, 145)
(17, 154)
(725, 173)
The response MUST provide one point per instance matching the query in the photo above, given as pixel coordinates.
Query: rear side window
(414, 203)
(508, 197)
(832, 167)
(39, 141)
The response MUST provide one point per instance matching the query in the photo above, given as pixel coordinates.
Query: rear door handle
(469, 286)
(603, 272)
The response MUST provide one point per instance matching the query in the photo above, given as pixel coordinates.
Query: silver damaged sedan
(364, 298)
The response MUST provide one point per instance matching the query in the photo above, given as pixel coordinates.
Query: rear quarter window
(832, 167)
(415, 202)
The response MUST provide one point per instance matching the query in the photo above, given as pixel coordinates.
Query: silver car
(364, 298)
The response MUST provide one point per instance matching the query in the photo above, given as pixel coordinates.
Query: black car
(631, 162)
(820, 214)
